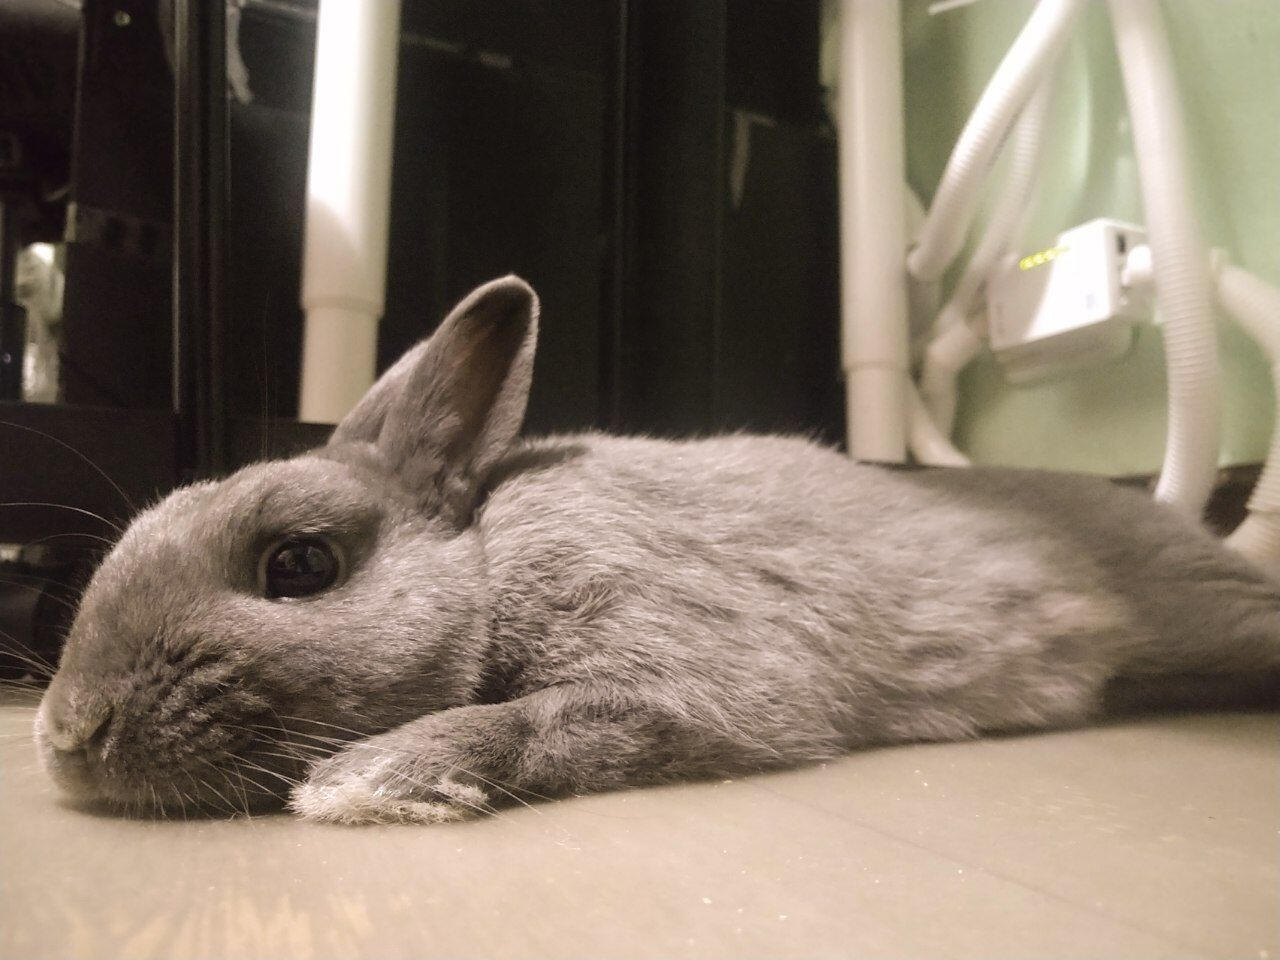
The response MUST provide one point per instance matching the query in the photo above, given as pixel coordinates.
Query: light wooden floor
(1151, 838)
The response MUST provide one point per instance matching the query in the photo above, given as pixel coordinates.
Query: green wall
(1227, 58)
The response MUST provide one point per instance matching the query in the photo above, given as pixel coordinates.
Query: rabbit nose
(71, 728)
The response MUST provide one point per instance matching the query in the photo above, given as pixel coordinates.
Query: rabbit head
(241, 628)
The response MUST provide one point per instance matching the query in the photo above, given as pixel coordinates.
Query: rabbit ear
(445, 413)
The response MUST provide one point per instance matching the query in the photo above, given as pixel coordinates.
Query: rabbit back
(773, 587)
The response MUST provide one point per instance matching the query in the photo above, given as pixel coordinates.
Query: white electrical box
(1064, 307)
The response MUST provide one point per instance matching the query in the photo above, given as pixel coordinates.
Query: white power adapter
(1065, 307)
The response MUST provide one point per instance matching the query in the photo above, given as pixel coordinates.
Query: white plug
(1066, 306)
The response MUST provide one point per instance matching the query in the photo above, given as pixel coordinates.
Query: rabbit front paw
(354, 787)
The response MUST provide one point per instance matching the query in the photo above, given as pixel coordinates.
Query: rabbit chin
(68, 769)
(85, 781)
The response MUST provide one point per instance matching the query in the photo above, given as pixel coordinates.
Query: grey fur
(586, 612)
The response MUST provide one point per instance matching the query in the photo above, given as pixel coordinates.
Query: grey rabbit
(428, 617)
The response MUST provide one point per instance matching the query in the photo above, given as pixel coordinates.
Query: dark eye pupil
(299, 567)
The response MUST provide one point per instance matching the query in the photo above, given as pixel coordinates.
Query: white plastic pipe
(1022, 69)
(1182, 287)
(1255, 306)
(348, 202)
(873, 299)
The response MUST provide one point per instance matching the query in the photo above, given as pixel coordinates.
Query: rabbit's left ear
(448, 410)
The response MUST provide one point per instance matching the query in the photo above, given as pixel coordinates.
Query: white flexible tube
(1182, 286)
(348, 202)
(946, 355)
(1258, 537)
(1025, 147)
(954, 344)
(1255, 306)
(873, 298)
(955, 202)
(929, 445)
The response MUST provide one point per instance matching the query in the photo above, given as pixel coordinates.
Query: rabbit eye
(299, 567)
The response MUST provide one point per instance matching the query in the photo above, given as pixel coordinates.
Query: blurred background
(664, 173)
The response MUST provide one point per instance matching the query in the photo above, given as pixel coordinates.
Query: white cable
(1009, 89)
(1182, 288)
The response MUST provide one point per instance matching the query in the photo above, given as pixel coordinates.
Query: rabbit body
(585, 612)
(787, 602)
